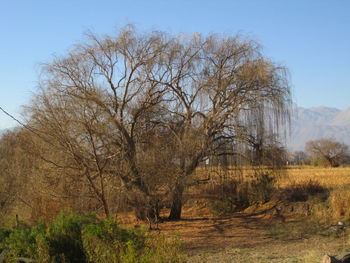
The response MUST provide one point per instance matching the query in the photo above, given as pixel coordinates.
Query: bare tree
(9, 166)
(114, 105)
(329, 151)
(18, 190)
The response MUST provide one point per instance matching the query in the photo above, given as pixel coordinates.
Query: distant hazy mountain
(312, 124)
(321, 122)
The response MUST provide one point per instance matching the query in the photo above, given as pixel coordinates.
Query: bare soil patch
(242, 238)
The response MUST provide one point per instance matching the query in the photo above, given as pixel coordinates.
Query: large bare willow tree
(113, 103)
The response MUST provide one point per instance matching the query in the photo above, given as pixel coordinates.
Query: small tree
(327, 151)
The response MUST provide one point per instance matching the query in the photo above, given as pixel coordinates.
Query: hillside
(320, 122)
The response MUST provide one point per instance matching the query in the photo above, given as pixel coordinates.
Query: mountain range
(316, 123)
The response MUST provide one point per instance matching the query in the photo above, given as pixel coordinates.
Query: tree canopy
(145, 109)
(327, 151)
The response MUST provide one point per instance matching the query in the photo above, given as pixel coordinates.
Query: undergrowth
(76, 238)
(236, 195)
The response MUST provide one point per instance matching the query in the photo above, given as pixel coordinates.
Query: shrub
(302, 192)
(105, 241)
(64, 236)
(23, 242)
(75, 238)
(237, 195)
(4, 233)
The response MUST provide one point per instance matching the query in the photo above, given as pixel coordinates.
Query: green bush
(4, 233)
(60, 241)
(75, 238)
(64, 236)
(23, 242)
(106, 241)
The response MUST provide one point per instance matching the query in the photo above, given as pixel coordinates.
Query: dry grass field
(327, 177)
(261, 235)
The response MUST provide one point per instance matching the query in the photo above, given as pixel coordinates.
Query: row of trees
(141, 111)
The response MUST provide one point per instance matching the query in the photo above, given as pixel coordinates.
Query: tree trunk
(105, 206)
(176, 206)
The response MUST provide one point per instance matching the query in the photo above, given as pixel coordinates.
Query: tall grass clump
(76, 238)
(339, 203)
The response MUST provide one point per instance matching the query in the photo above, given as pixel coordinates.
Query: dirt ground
(243, 238)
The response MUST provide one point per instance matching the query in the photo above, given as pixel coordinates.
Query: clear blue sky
(310, 37)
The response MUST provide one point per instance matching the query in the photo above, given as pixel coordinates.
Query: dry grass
(242, 237)
(337, 180)
(327, 177)
(291, 251)
(339, 202)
